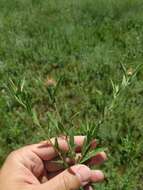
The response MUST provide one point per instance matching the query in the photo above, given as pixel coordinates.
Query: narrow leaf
(57, 86)
(35, 117)
(92, 154)
(56, 144)
(58, 162)
(22, 84)
(123, 69)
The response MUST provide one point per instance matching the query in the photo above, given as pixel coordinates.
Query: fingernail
(82, 172)
(97, 175)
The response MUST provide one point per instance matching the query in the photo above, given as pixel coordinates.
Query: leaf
(22, 85)
(84, 147)
(59, 152)
(52, 120)
(19, 101)
(99, 92)
(91, 154)
(136, 72)
(62, 128)
(35, 117)
(113, 85)
(90, 131)
(57, 162)
(71, 141)
(57, 86)
(56, 144)
(124, 69)
(50, 93)
(12, 85)
(71, 144)
(124, 81)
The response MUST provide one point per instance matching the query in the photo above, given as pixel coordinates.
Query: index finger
(46, 151)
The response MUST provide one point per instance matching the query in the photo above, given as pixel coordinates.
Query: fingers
(70, 179)
(53, 166)
(73, 178)
(96, 176)
(46, 151)
(98, 159)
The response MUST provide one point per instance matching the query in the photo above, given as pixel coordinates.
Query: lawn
(86, 48)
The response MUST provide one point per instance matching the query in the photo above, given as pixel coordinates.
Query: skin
(32, 168)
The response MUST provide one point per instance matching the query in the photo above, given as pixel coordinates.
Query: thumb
(71, 179)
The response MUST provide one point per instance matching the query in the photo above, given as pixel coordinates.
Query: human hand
(31, 168)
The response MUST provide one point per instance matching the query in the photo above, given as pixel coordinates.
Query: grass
(85, 45)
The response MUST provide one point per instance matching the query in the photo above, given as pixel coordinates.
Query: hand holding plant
(33, 168)
(76, 151)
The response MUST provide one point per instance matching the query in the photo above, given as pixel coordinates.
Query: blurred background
(69, 51)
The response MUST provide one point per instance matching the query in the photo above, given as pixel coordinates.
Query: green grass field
(83, 43)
